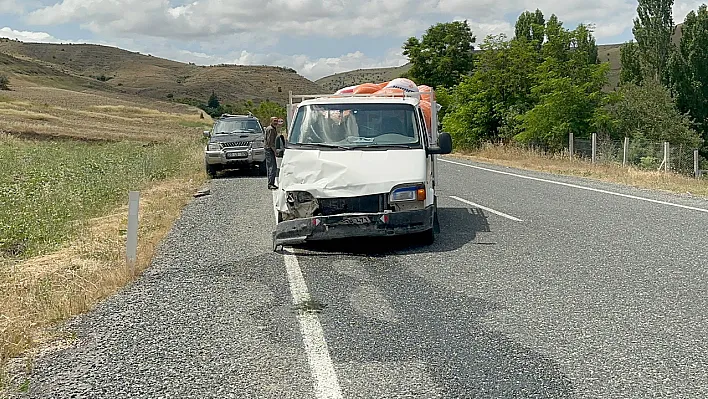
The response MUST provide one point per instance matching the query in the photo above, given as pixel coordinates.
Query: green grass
(47, 187)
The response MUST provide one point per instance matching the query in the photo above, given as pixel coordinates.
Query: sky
(315, 37)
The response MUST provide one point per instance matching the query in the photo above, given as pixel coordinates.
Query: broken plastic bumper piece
(349, 225)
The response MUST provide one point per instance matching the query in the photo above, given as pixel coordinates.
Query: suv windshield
(356, 125)
(227, 126)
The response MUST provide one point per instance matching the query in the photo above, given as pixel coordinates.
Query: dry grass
(63, 202)
(40, 291)
(54, 112)
(561, 164)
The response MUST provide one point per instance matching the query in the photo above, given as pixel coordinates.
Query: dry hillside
(374, 75)
(148, 76)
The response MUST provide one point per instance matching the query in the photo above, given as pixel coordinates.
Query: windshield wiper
(326, 145)
(388, 146)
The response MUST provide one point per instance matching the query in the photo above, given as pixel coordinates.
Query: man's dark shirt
(270, 134)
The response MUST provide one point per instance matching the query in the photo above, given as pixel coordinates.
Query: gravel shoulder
(212, 317)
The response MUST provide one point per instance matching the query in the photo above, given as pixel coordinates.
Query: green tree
(631, 69)
(568, 90)
(652, 30)
(532, 27)
(689, 67)
(564, 105)
(584, 46)
(213, 101)
(648, 112)
(265, 110)
(483, 106)
(443, 56)
(558, 40)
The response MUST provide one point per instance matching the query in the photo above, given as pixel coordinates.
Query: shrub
(4, 82)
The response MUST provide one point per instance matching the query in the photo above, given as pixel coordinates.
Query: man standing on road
(271, 132)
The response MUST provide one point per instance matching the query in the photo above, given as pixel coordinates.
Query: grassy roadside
(613, 173)
(67, 162)
(63, 226)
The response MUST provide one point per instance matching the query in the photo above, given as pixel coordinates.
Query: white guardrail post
(696, 167)
(132, 239)
(571, 145)
(594, 147)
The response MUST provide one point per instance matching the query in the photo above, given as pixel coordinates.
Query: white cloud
(211, 18)
(11, 7)
(248, 31)
(27, 36)
(682, 8)
(309, 67)
(315, 68)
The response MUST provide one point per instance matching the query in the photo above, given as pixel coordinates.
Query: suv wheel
(263, 169)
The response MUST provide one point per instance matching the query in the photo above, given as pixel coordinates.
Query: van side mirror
(444, 145)
(207, 133)
(279, 146)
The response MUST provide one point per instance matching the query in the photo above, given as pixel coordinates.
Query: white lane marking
(580, 187)
(486, 209)
(326, 383)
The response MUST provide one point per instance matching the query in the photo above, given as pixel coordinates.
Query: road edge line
(579, 187)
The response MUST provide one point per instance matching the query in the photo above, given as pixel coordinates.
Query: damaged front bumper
(349, 225)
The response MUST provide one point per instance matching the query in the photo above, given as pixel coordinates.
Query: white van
(357, 165)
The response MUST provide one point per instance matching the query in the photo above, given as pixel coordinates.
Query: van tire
(428, 236)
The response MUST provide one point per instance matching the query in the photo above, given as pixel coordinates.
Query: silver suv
(235, 142)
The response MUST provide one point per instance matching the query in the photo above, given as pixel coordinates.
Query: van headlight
(257, 144)
(214, 147)
(410, 192)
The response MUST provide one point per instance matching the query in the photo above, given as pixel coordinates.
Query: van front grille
(364, 204)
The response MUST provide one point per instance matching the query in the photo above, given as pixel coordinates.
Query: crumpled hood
(331, 174)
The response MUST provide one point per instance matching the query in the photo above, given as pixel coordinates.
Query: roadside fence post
(132, 239)
(594, 147)
(666, 156)
(571, 142)
(696, 170)
(626, 151)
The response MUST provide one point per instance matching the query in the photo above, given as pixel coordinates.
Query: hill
(337, 81)
(134, 73)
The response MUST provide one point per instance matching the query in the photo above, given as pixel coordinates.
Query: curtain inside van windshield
(356, 125)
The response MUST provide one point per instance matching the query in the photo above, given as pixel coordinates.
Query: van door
(430, 160)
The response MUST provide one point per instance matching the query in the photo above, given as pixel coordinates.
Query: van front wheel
(428, 236)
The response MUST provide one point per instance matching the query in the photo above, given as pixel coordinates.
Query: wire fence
(641, 154)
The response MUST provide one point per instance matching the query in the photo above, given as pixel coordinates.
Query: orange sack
(366, 88)
(387, 91)
(425, 107)
(425, 89)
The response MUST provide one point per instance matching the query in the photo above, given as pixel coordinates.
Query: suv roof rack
(250, 115)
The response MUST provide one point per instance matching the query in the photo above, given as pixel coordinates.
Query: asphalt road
(539, 290)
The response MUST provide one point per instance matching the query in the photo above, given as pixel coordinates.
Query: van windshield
(356, 126)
